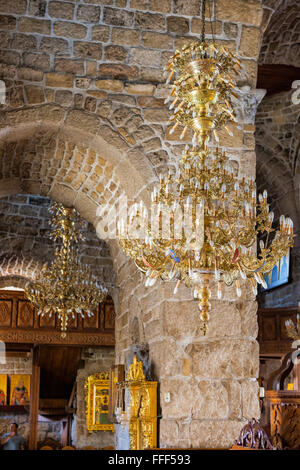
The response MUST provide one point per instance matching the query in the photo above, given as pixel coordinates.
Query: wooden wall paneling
(25, 314)
(19, 323)
(272, 335)
(6, 308)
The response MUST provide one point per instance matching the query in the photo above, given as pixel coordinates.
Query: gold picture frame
(19, 389)
(3, 389)
(97, 402)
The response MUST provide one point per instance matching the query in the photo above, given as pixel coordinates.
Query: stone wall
(95, 360)
(85, 122)
(26, 244)
(278, 164)
(281, 39)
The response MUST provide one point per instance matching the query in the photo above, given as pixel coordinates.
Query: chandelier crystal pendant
(221, 210)
(65, 287)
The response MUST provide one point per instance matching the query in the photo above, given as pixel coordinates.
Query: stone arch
(44, 126)
(13, 281)
(280, 44)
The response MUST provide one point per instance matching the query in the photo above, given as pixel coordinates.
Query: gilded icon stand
(143, 408)
(97, 402)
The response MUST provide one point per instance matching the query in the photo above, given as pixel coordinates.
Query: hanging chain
(203, 20)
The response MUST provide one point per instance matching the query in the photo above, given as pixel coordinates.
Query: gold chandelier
(225, 218)
(65, 287)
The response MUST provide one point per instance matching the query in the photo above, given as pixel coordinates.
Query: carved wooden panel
(272, 335)
(19, 323)
(6, 307)
(47, 322)
(109, 316)
(285, 418)
(25, 314)
(92, 322)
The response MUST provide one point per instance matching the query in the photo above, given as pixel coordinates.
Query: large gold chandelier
(225, 218)
(65, 287)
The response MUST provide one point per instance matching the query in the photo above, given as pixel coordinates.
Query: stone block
(69, 30)
(197, 25)
(37, 61)
(228, 358)
(219, 434)
(239, 11)
(110, 85)
(144, 57)
(210, 400)
(64, 10)
(63, 80)
(64, 97)
(115, 54)
(163, 6)
(157, 115)
(139, 4)
(33, 25)
(250, 399)
(117, 17)
(88, 13)
(10, 57)
(190, 8)
(88, 50)
(125, 37)
(54, 46)
(156, 40)
(75, 67)
(17, 6)
(119, 71)
(153, 21)
(139, 89)
(24, 42)
(100, 33)
(250, 42)
(183, 394)
(7, 22)
(178, 25)
(29, 74)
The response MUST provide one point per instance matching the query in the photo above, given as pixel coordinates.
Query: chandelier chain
(203, 20)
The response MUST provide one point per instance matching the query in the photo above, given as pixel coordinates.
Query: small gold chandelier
(224, 216)
(65, 287)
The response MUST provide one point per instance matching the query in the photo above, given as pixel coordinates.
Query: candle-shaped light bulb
(219, 291)
(238, 289)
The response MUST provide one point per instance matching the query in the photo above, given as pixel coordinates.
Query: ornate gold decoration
(66, 287)
(202, 89)
(225, 218)
(97, 402)
(143, 408)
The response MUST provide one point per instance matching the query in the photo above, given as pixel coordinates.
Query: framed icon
(97, 402)
(19, 389)
(3, 389)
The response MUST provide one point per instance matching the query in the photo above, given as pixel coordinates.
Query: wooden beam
(277, 78)
(34, 398)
